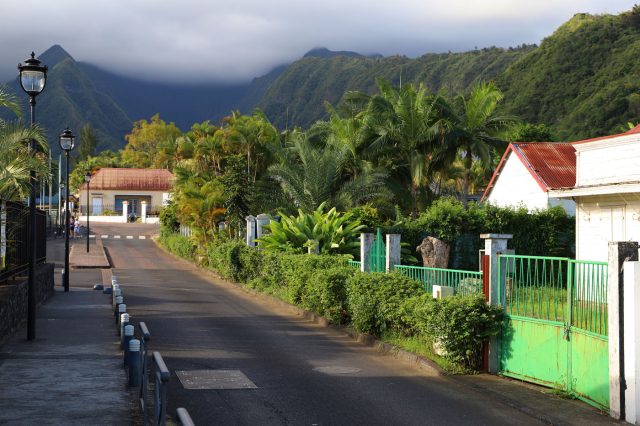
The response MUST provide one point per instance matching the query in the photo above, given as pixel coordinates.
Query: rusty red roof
(131, 179)
(552, 165)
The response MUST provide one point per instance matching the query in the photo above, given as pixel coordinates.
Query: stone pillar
(393, 251)
(632, 341)
(251, 230)
(494, 245)
(261, 220)
(125, 211)
(366, 242)
(221, 226)
(144, 211)
(619, 252)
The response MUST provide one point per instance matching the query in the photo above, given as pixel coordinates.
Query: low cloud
(201, 41)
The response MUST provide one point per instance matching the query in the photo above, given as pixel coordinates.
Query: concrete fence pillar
(495, 245)
(366, 242)
(393, 252)
(632, 341)
(125, 211)
(261, 220)
(313, 247)
(619, 252)
(144, 211)
(251, 230)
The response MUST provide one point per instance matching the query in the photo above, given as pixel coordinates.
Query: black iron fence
(14, 239)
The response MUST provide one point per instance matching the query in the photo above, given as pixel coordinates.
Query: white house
(606, 192)
(528, 171)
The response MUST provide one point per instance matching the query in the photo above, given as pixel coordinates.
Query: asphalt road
(303, 373)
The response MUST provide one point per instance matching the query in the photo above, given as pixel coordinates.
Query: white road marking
(129, 237)
(92, 236)
(104, 236)
(117, 237)
(142, 237)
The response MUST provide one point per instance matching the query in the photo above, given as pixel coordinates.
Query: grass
(423, 348)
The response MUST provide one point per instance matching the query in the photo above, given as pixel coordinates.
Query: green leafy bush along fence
(463, 282)
(375, 303)
(557, 289)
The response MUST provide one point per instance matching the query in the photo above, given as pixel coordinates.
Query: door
(96, 206)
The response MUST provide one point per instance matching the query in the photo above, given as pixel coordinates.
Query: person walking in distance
(72, 227)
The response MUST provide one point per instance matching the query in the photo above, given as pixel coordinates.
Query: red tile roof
(131, 179)
(552, 165)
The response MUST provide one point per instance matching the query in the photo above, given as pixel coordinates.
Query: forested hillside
(583, 80)
(297, 96)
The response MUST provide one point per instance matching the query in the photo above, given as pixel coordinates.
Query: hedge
(373, 303)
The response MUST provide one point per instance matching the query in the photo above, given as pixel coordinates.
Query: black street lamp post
(67, 142)
(33, 77)
(87, 179)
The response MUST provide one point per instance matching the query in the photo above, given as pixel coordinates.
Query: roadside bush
(169, 217)
(374, 300)
(235, 260)
(177, 244)
(326, 293)
(459, 324)
(297, 270)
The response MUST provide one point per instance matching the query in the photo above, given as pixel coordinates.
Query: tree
(142, 143)
(527, 132)
(17, 161)
(235, 182)
(310, 175)
(88, 141)
(405, 129)
(476, 128)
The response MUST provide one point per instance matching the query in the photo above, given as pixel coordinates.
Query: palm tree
(405, 128)
(16, 160)
(477, 128)
(310, 175)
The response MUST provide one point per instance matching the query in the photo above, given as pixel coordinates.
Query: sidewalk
(72, 372)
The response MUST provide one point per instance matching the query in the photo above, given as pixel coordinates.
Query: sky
(206, 41)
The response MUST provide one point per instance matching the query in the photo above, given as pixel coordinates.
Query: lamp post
(67, 142)
(87, 179)
(33, 76)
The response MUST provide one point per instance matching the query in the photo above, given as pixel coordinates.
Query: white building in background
(528, 171)
(606, 192)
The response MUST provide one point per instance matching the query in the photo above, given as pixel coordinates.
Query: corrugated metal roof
(131, 179)
(552, 164)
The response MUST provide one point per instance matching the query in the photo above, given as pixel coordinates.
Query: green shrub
(169, 217)
(235, 260)
(326, 293)
(177, 244)
(459, 324)
(374, 300)
(333, 231)
(297, 270)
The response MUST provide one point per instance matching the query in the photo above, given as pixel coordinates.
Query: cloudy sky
(236, 40)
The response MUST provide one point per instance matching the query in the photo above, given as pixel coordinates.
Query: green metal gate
(378, 254)
(556, 329)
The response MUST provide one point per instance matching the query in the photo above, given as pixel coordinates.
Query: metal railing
(354, 264)
(556, 289)
(161, 377)
(463, 282)
(14, 241)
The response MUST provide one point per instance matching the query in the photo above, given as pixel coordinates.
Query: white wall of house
(605, 218)
(608, 161)
(515, 186)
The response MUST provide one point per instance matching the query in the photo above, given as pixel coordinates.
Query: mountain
(298, 94)
(583, 80)
(183, 104)
(71, 99)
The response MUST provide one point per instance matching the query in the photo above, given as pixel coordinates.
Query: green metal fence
(378, 254)
(539, 287)
(463, 282)
(354, 264)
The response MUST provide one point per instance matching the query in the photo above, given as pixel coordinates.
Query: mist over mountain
(582, 81)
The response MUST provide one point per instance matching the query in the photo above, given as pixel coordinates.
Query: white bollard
(128, 336)
(135, 363)
(124, 321)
